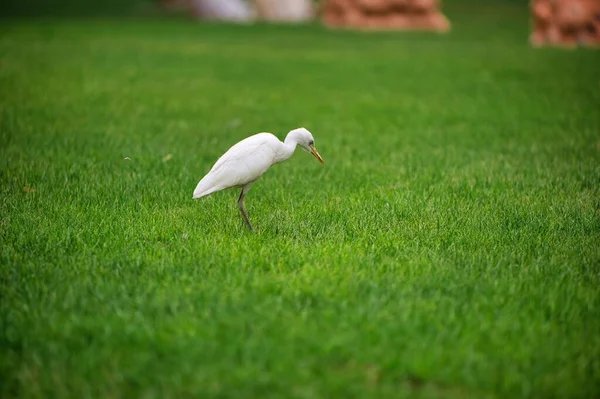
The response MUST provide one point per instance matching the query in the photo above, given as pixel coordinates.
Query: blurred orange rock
(565, 23)
(399, 4)
(589, 36)
(384, 15)
(571, 14)
(542, 10)
(423, 6)
(373, 6)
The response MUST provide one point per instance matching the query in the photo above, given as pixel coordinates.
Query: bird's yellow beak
(314, 151)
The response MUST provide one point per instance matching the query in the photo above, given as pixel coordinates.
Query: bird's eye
(311, 143)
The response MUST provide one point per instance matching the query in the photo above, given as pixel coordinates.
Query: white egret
(247, 160)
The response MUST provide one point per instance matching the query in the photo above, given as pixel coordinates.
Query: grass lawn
(448, 248)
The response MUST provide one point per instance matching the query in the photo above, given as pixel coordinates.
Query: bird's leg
(245, 190)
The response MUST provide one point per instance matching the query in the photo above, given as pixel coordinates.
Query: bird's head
(306, 141)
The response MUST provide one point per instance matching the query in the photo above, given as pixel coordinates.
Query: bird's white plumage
(243, 163)
(249, 159)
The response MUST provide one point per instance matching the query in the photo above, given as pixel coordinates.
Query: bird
(243, 163)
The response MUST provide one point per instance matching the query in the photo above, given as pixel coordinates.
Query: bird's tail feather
(204, 188)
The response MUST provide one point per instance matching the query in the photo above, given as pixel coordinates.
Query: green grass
(448, 248)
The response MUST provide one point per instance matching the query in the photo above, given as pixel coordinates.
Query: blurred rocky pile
(566, 23)
(385, 15)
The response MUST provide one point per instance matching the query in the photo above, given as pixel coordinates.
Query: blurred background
(565, 23)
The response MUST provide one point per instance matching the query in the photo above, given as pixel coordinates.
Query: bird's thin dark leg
(241, 205)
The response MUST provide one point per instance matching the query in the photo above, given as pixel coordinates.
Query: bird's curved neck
(288, 147)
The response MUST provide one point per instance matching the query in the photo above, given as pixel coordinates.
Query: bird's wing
(241, 164)
(246, 148)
